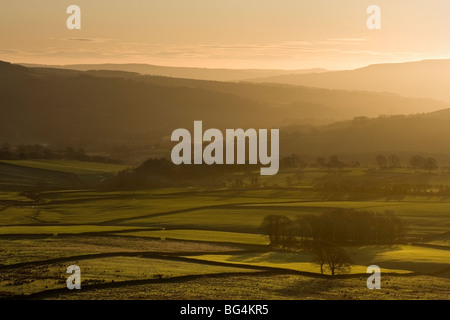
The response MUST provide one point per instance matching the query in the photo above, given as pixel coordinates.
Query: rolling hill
(423, 79)
(182, 72)
(102, 110)
(419, 134)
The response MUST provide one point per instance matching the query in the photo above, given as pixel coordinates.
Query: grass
(284, 260)
(398, 259)
(11, 196)
(55, 230)
(218, 220)
(21, 250)
(75, 167)
(277, 287)
(100, 271)
(19, 175)
(239, 211)
(131, 268)
(406, 257)
(204, 235)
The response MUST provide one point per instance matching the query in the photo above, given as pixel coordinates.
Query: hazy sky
(285, 34)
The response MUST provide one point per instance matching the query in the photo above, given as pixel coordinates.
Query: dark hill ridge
(99, 110)
(394, 134)
(9, 71)
(182, 72)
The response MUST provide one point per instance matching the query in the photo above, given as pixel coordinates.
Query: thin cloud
(97, 40)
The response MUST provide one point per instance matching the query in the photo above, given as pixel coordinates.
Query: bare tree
(317, 249)
(394, 161)
(332, 256)
(381, 160)
(337, 259)
(322, 162)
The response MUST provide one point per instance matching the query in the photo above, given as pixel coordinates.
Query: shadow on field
(271, 257)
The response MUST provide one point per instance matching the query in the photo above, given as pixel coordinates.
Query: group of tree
(161, 172)
(329, 255)
(340, 226)
(37, 151)
(351, 227)
(323, 235)
(333, 162)
(415, 162)
(419, 162)
(391, 161)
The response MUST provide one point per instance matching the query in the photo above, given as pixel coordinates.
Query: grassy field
(203, 235)
(75, 167)
(55, 230)
(20, 175)
(291, 261)
(218, 227)
(276, 287)
(101, 271)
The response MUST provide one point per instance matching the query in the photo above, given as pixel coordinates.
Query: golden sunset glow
(225, 34)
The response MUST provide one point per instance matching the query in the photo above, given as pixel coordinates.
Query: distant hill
(425, 79)
(393, 134)
(440, 114)
(103, 110)
(182, 72)
(81, 109)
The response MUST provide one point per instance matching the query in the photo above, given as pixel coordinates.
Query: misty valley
(159, 186)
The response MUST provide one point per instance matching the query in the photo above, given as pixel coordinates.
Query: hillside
(396, 134)
(440, 114)
(55, 174)
(424, 79)
(103, 110)
(182, 72)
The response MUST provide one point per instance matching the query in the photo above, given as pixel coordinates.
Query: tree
(329, 255)
(334, 162)
(381, 160)
(317, 249)
(299, 175)
(321, 162)
(337, 259)
(5, 151)
(394, 161)
(419, 162)
(416, 162)
(279, 230)
(430, 164)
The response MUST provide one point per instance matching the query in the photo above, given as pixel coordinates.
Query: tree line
(323, 235)
(341, 226)
(415, 162)
(161, 172)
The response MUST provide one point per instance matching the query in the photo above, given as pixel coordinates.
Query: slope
(424, 79)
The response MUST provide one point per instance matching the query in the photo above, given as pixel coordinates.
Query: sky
(238, 34)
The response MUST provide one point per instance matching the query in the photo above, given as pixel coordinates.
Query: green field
(75, 167)
(55, 230)
(23, 175)
(217, 227)
(203, 235)
(291, 261)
